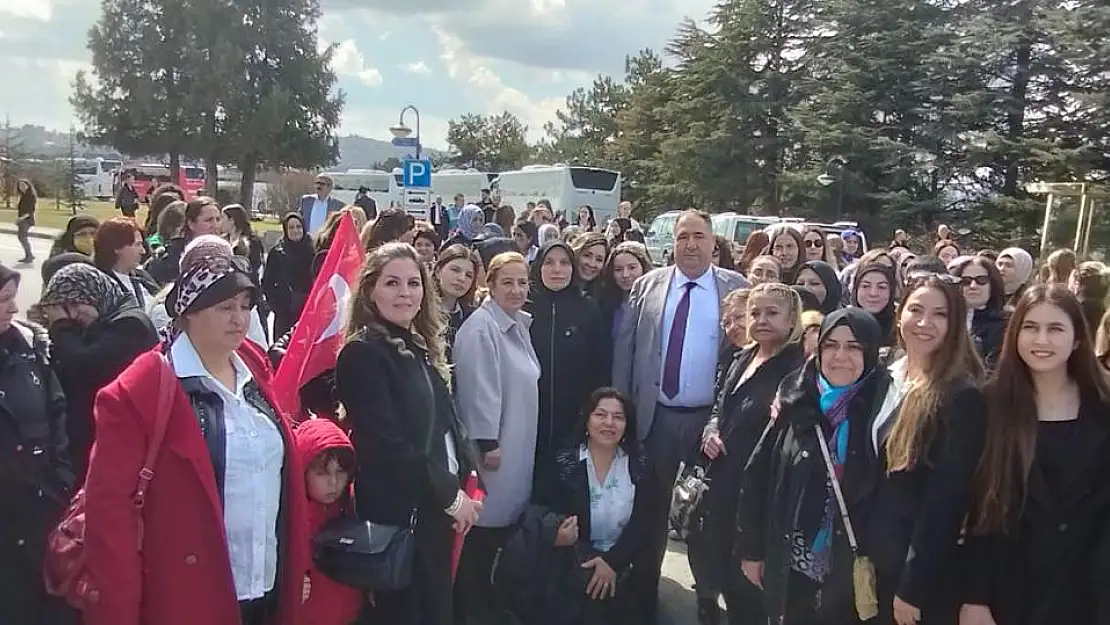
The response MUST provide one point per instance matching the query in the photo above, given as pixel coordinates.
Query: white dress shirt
(610, 502)
(318, 215)
(893, 400)
(254, 456)
(127, 284)
(700, 345)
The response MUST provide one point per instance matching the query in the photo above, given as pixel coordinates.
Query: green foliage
(229, 81)
(489, 142)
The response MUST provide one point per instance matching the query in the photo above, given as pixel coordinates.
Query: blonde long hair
(428, 326)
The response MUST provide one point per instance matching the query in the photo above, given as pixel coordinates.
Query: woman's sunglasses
(812, 243)
(969, 280)
(919, 278)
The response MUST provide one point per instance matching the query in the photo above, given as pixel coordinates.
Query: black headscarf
(539, 289)
(809, 300)
(299, 252)
(885, 317)
(830, 280)
(865, 329)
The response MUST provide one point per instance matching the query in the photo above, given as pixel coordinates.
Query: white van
(447, 183)
(383, 187)
(567, 187)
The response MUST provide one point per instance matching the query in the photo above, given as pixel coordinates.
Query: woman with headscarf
(853, 245)
(793, 542)
(569, 337)
(875, 290)
(221, 537)
(288, 276)
(820, 279)
(97, 329)
(808, 299)
(471, 222)
(1016, 267)
(546, 234)
(35, 473)
(79, 236)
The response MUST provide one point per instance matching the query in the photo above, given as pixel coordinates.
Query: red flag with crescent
(318, 335)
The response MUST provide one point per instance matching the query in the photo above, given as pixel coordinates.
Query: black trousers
(23, 226)
(476, 602)
(258, 611)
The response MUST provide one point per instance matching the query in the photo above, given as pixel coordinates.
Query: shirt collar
(584, 452)
(705, 280)
(187, 364)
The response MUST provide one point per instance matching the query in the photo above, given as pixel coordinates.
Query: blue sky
(446, 57)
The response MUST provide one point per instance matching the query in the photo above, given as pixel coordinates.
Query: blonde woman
(498, 396)
(392, 381)
(740, 414)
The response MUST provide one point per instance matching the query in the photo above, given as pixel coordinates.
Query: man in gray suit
(315, 208)
(665, 359)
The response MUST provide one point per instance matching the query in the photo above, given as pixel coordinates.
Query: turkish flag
(317, 337)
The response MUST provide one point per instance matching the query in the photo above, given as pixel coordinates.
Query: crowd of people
(838, 435)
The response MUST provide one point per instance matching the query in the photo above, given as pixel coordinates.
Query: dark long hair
(1003, 474)
(997, 297)
(757, 242)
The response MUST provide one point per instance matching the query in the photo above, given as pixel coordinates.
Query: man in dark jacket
(127, 200)
(366, 203)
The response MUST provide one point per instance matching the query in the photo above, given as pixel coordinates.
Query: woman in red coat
(222, 540)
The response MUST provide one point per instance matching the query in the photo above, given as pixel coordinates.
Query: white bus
(567, 186)
(97, 176)
(383, 186)
(447, 183)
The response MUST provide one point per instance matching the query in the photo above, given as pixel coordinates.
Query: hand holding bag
(863, 570)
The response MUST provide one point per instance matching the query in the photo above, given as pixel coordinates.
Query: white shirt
(700, 345)
(254, 456)
(318, 215)
(893, 400)
(127, 284)
(610, 503)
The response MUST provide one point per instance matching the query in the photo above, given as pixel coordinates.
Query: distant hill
(362, 152)
(39, 142)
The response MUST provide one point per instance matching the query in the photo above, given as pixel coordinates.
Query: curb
(35, 233)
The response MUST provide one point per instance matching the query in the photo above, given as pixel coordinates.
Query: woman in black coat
(391, 378)
(288, 276)
(569, 337)
(1039, 547)
(930, 433)
(604, 488)
(35, 474)
(983, 289)
(740, 415)
(97, 330)
(792, 537)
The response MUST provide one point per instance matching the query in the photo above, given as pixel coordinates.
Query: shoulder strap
(840, 503)
(167, 387)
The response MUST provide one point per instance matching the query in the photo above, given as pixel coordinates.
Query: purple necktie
(673, 364)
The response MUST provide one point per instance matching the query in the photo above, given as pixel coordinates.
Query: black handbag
(366, 555)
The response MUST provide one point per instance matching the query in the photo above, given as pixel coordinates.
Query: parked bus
(97, 176)
(383, 187)
(447, 183)
(568, 187)
(150, 176)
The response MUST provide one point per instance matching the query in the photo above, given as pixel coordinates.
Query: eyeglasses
(919, 278)
(980, 280)
(813, 244)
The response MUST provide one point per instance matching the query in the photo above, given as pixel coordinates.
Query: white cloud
(41, 10)
(466, 67)
(348, 61)
(417, 67)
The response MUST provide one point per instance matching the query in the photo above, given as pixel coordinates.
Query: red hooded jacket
(329, 603)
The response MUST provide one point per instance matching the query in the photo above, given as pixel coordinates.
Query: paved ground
(679, 606)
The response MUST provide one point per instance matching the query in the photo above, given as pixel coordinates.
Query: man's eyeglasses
(969, 280)
(814, 244)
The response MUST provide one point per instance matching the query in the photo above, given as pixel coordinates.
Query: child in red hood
(329, 460)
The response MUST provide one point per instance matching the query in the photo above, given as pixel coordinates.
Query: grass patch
(49, 214)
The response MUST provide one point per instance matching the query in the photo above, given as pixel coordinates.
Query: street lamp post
(834, 172)
(401, 130)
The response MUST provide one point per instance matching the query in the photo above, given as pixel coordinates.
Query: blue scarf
(834, 402)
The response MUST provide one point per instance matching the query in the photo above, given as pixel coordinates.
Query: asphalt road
(678, 603)
(30, 285)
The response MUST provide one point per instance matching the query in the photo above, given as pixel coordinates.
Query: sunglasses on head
(919, 278)
(812, 243)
